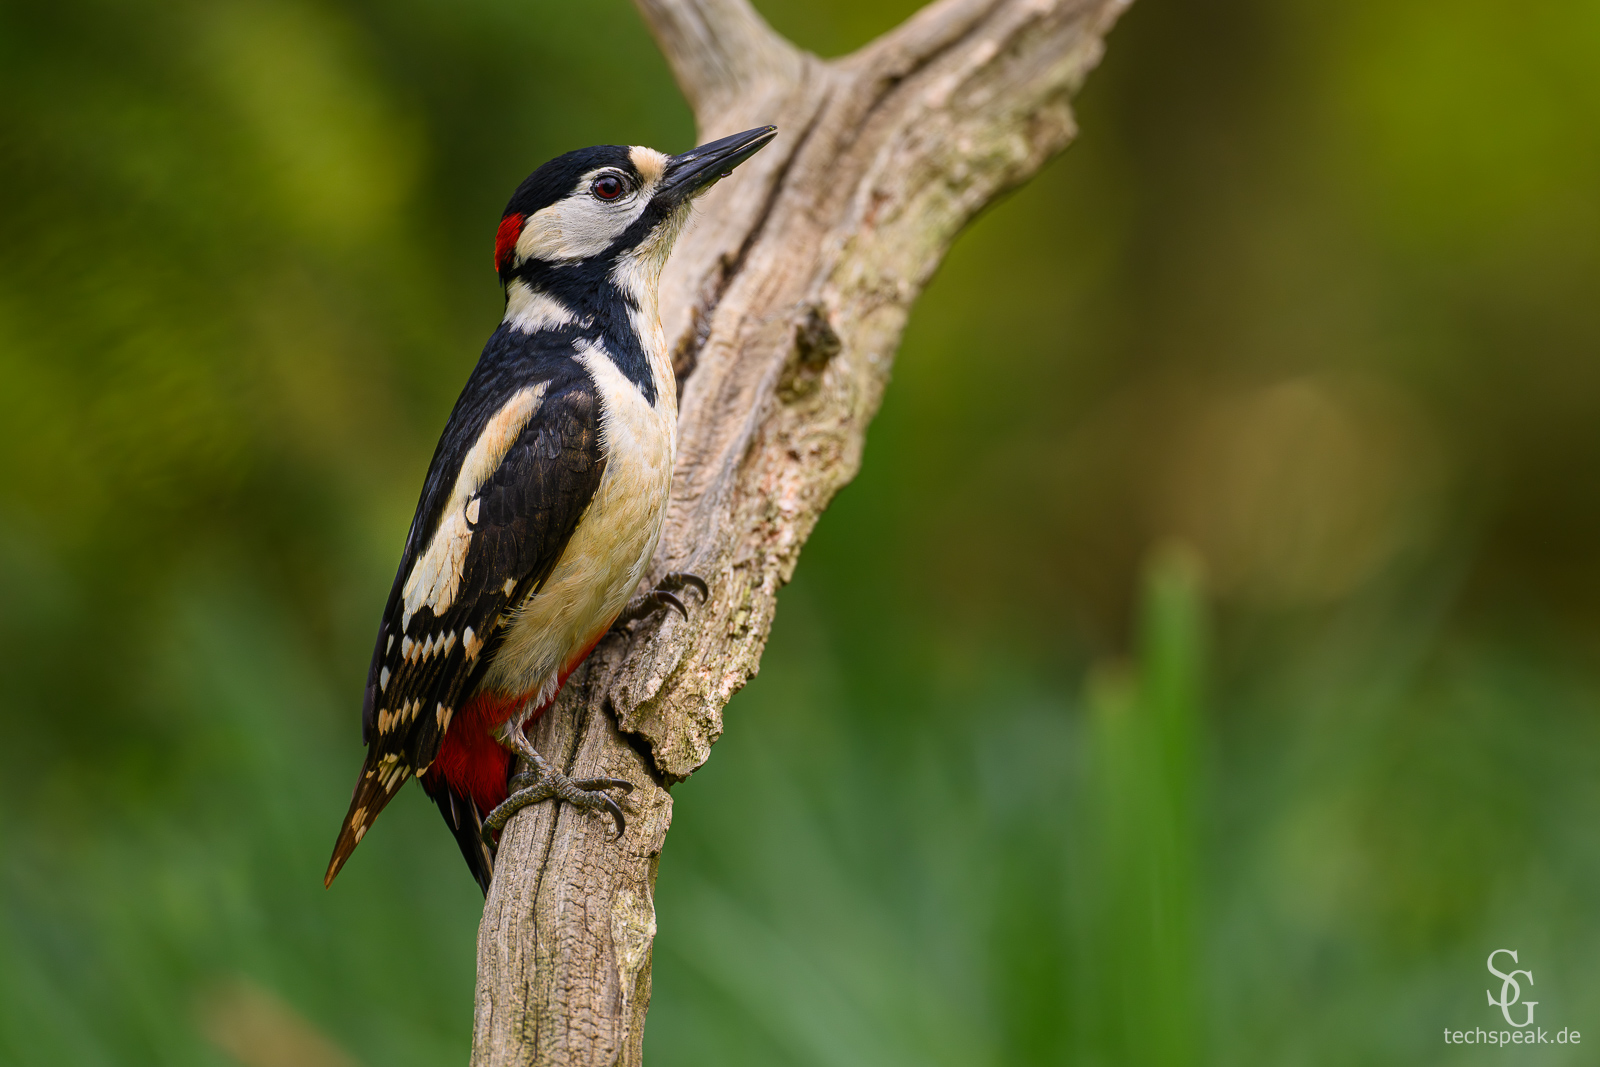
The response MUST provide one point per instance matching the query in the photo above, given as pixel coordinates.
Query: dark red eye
(607, 187)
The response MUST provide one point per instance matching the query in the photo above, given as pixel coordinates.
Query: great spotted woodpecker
(544, 501)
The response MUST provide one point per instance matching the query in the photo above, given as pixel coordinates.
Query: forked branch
(719, 48)
(785, 305)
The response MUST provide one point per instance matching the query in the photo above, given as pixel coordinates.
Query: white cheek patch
(579, 225)
(576, 228)
(436, 577)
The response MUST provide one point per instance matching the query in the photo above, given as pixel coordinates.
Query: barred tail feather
(380, 779)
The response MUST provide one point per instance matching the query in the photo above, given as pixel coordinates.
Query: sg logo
(1510, 989)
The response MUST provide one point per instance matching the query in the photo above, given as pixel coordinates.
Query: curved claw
(663, 595)
(670, 600)
(616, 813)
(681, 579)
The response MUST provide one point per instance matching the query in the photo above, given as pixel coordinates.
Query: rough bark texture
(785, 303)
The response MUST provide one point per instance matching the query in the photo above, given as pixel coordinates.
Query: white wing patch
(436, 576)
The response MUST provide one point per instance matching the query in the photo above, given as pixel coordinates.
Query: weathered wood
(785, 303)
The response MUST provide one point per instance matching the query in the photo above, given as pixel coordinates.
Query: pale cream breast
(612, 546)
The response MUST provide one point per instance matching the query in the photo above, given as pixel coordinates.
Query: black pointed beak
(692, 173)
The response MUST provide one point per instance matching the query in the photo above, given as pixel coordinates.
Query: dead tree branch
(785, 303)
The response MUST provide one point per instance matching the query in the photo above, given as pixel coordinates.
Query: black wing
(517, 465)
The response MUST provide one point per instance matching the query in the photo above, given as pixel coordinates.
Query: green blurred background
(1203, 668)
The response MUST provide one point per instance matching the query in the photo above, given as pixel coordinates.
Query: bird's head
(611, 212)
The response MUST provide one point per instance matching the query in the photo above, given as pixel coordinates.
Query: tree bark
(785, 304)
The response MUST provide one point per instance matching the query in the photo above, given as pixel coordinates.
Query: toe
(595, 784)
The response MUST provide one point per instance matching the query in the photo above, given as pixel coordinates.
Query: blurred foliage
(1313, 297)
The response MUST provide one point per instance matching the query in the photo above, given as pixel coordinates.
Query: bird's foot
(662, 598)
(543, 782)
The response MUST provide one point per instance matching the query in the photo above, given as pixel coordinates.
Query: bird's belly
(608, 553)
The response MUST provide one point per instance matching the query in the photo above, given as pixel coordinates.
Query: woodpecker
(543, 504)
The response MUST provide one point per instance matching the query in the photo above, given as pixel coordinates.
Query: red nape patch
(505, 241)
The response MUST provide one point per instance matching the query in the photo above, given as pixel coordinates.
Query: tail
(461, 814)
(374, 789)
